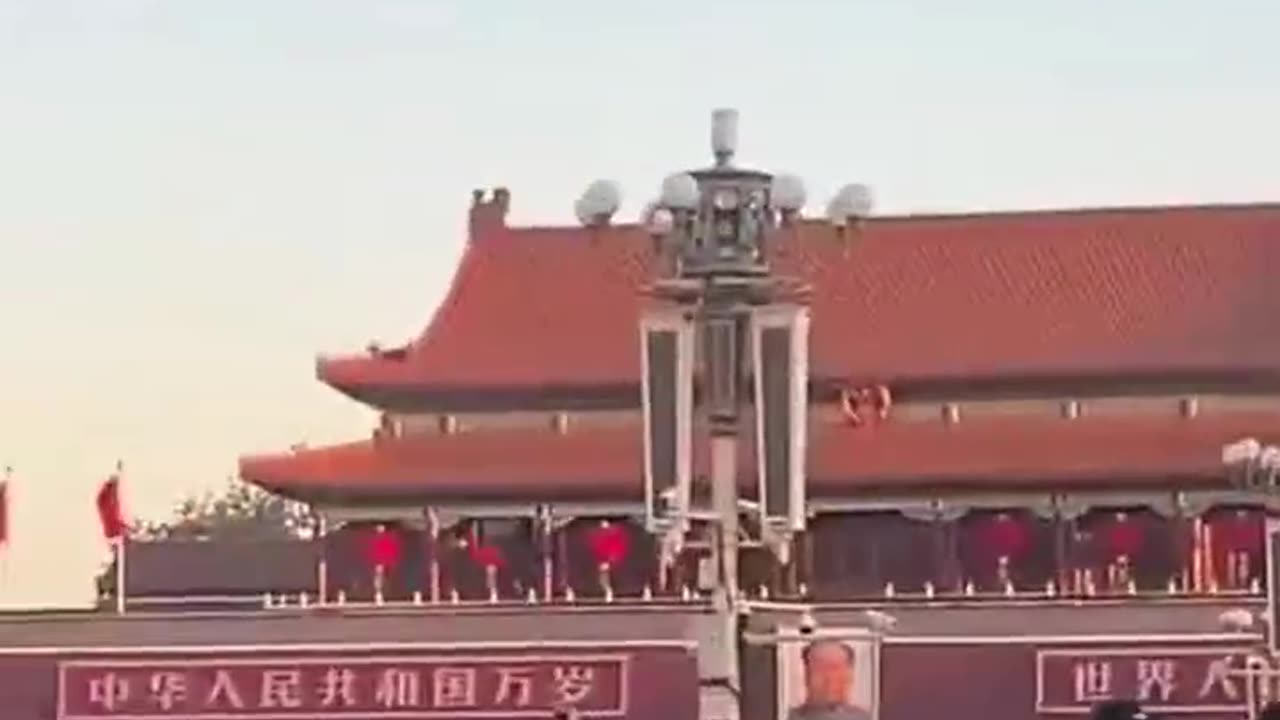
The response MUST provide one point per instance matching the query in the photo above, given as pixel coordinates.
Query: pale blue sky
(195, 197)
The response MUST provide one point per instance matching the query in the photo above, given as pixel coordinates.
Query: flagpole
(6, 529)
(322, 563)
(120, 575)
(121, 540)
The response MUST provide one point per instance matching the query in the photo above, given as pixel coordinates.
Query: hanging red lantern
(609, 543)
(384, 548)
(1123, 536)
(1238, 531)
(1006, 536)
(482, 554)
(488, 556)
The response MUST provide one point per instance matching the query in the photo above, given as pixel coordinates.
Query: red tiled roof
(603, 463)
(1122, 291)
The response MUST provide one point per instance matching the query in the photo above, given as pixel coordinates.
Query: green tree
(239, 511)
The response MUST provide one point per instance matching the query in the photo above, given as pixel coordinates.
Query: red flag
(109, 512)
(4, 508)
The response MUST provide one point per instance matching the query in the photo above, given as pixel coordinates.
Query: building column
(947, 569)
(433, 555)
(1063, 572)
(565, 572)
(546, 552)
(321, 530)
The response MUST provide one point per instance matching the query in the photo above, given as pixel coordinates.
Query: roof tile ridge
(1012, 213)
(1046, 211)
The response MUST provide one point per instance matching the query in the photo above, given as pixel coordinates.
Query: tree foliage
(238, 511)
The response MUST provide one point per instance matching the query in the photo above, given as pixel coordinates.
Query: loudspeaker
(667, 359)
(780, 366)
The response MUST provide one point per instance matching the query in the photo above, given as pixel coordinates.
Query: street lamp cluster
(1255, 468)
(1252, 465)
(735, 203)
(722, 321)
(721, 303)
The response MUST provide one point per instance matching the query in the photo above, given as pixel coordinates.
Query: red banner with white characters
(1182, 681)
(339, 687)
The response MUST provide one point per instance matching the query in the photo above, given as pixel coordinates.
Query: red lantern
(609, 544)
(1006, 536)
(1123, 537)
(487, 556)
(482, 554)
(1240, 531)
(384, 548)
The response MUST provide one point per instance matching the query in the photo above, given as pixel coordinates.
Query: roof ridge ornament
(488, 210)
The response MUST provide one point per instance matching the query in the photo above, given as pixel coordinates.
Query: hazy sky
(196, 197)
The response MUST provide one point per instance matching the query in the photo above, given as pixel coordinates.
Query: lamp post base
(717, 703)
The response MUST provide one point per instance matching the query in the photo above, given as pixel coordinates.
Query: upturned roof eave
(1108, 281)
(1124, 483)
(603, 462)
(409, 395)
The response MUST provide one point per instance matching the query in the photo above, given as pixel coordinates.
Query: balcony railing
(982, 557)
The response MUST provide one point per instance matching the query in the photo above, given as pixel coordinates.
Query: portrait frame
(864, 644)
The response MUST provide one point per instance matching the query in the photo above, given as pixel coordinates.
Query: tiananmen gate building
(1015, 487)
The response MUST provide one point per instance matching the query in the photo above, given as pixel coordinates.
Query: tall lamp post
(723, 323)
(1255, 468)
